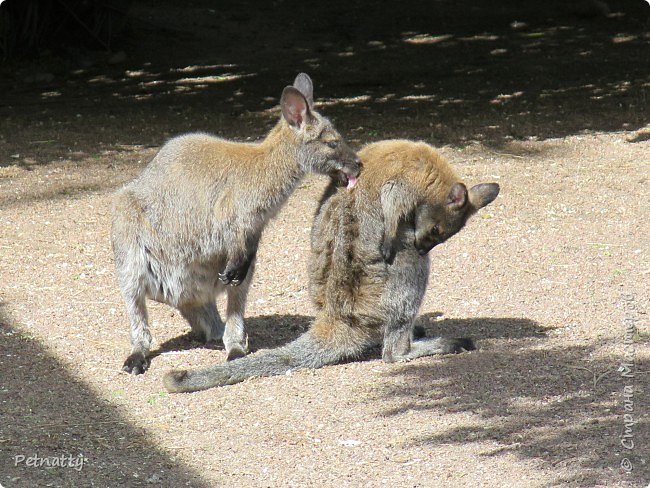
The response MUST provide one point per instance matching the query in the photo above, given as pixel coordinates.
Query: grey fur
(362, 299)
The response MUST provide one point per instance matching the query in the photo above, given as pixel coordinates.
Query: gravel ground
(541, 280)
(551, 279)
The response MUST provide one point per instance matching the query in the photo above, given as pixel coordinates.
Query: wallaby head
(322, 149)
(418, 187)
(436, 220)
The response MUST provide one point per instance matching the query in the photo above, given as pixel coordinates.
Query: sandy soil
(551, 279)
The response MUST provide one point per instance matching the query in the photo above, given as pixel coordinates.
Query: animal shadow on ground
(563, 406)
(264, 332)
(49, 413)
(271, 331)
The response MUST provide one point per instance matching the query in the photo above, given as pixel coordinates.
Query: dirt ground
(551, 279)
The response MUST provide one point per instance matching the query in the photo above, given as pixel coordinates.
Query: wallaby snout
(350, 169)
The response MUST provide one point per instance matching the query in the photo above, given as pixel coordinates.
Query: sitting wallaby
(190, 224)
(369, 265)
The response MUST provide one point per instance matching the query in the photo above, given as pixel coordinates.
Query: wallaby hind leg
(204, 319)
(137, 362)
(235, 338)
(130, 265)
(397, 341)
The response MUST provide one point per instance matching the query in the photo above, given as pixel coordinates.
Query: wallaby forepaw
(234, 275)
(388, 250)
(136, 363)
(228, 279)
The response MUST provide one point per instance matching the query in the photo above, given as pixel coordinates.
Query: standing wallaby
(190, 224)
(369, 265)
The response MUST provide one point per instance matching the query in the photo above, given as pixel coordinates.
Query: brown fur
(369, 266)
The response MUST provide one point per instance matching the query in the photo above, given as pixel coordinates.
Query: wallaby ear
(483, 194)
(295, 108)
(304, 85)
(457, 197)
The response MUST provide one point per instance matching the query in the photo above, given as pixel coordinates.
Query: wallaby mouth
(345, 179)
(352, 180)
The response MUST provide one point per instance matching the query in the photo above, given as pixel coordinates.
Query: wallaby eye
(332, 144)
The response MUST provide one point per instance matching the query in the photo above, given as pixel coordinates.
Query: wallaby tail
(310, 350)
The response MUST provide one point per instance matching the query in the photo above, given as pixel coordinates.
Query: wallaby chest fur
(198, 199)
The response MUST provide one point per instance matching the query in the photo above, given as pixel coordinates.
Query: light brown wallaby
(190, 224)
(369, 265)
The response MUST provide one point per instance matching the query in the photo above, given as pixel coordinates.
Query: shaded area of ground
(47, 413)
(454, 72)
(266, 332)
(540, 402)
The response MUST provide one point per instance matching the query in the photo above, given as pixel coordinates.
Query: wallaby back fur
(369, 265)
(190, 224)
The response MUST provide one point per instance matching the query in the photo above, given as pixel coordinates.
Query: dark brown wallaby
(190, 224)
(369, 265)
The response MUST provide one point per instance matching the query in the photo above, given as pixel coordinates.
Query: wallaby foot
(462, 344)
(433, 346)
(236, 352)
(136, 363)
(439, 345)
(400, 344)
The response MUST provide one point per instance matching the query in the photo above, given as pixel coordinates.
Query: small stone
(350, 442)
(154, 478)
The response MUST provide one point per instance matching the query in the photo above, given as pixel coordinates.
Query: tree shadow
(48, 413)
(560, 406)
(68, 192)
(445, 72)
